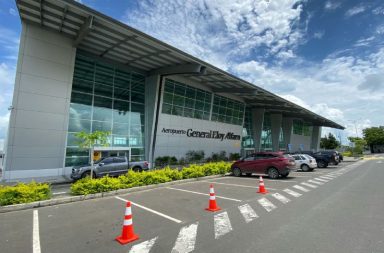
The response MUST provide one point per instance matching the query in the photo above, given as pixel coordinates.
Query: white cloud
(364, 42)
(378, 11)
(13, 12)
(332, 5)
(3, 129)
(355, 10)
(235, 27)
(319, 34)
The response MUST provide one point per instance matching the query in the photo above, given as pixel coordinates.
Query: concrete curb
(64, 200)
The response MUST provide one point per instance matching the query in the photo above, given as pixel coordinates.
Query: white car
(304, 162)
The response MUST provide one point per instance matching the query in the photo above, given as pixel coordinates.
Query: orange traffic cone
(213, 207)
(127, 235)
(262, 189)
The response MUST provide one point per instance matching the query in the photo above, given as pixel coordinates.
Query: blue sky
(327, 56)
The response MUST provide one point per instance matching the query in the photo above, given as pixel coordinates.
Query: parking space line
(186, 239)
(268, 205)
(200, 193)
(248, 213)
(320, 179)
(309, 185)
(36, 233)
(143, 247)
(222, 224)
(315, 182)
(281, 198)
(300, 188)
(150, 210)
(59, 193)
(237, 185)
(284, 181)
(293, 193)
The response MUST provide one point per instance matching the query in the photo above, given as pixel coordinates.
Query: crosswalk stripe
(320, 179)
(281, 198)
(143, 247)
(300, 188)
(309, 185)
(327, 177)
(248, 213)
(222, 224)
(315, 182)
(268, 205)
(186, 239)
(293, 193)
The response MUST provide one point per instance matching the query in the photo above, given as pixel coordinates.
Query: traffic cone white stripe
(127, 222)
(212, 197)
(128, 211)
(211, 190)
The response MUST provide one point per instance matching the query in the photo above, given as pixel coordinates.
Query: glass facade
(182, 100)
(302, 128)
(247, 141)
(227, 110)
(266, 133)
(105, 98)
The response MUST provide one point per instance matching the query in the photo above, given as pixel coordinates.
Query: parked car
(324, 158)
(112, 166)
(305, 162)
(273, 164)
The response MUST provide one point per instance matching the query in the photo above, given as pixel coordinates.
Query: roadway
(337, 209)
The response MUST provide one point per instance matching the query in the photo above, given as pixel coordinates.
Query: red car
(274, 164)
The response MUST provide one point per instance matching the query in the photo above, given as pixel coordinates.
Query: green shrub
(24, 193)
(347, 153)
(133, 179)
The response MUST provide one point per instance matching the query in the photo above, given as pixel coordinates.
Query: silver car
(305, 162)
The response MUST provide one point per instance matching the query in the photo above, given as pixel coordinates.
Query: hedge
(132, 179)
(24, 193)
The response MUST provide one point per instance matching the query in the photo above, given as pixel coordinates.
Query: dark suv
(324, 158)
(274, 164)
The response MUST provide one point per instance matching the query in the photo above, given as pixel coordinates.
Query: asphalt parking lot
(167, 219)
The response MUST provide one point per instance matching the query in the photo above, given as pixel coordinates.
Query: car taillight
(146, 164)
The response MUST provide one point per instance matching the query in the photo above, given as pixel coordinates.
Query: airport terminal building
(79, 70)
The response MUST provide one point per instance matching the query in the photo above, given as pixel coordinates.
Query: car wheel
(236, 172)
(88, 174)
(285, 175)
(137, 169)
(336, 163)
(321, 164)
(305, 168)
(273, 173)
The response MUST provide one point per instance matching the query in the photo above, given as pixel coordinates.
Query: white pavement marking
(309, 185)
(326, 177)
(293, 193)
(237, 185)
(315, 182)
(281, 198)
(58, 193)
(186, 239)
(36, 233)
(379, 161)
(282, 181)
(222, 224)
(300, 188)
(200, 193)
(143, 247)
(151, 210)
(248, 213)
(322, 180)
(268, 205)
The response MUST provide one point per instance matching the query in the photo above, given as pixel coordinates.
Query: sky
(327, 56)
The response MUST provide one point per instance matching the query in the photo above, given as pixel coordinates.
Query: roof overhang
(102, 36)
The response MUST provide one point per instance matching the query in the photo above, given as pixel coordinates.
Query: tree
(329, 142)
(374, 135)
(359, 144)
(90, 140)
